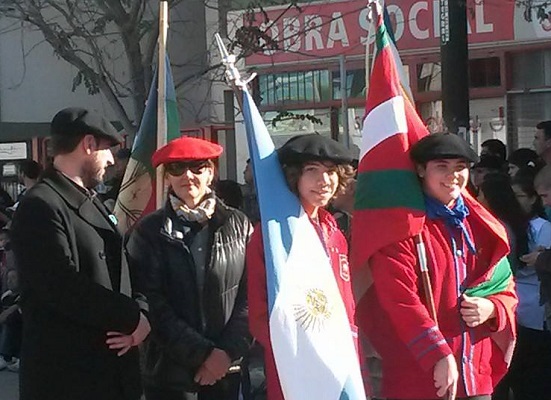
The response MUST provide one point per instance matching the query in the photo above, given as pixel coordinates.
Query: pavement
(9, 385)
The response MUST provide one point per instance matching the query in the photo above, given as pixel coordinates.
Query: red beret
(186, 148)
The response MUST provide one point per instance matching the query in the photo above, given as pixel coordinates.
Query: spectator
(530, 369)
(250, 201)
(230, 193)
(499, 198)
(494, 147)
(113, 185)
(523, 158)
(10, 324)
(542, 141)
(487, 164)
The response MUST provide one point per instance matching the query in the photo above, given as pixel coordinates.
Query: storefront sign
(13, 151)
(335, 28)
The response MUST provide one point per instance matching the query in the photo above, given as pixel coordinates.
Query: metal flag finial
(232, 73)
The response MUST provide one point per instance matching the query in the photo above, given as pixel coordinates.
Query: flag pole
(161, 98)
(233, 76)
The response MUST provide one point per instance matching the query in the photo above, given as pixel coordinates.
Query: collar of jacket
(173, 228)
(87, 206)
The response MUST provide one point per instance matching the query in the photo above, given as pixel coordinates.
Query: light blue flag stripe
(278, 205)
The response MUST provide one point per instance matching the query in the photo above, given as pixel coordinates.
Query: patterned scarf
(453, 217)
(202, 213)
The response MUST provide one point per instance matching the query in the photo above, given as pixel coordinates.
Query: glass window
(429, 77)
(531, 69)
(294, 87)
(287, 127)
(484, 72)
(355, 84)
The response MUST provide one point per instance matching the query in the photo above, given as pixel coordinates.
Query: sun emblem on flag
(314, 311)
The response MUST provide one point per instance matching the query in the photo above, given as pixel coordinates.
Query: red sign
(331, 29)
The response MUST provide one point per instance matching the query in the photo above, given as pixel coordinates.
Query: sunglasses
(179, 168)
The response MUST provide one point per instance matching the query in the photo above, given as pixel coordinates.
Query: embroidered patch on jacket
(344, 267)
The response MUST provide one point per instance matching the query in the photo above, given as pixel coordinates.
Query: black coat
(186, 324)
(75, 288)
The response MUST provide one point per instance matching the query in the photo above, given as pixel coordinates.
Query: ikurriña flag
(387, 192)
(137, 193)
(310, 332)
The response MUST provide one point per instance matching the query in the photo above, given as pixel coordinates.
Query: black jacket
(186, 324)
(75, 288)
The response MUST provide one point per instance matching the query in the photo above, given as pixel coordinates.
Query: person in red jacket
(461, 353)
(317, 169)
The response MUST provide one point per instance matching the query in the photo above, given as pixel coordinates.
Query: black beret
(524, 157)
(313, 147)
(440, 146)
(76, 121)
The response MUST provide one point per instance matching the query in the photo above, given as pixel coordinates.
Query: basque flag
(310, 332)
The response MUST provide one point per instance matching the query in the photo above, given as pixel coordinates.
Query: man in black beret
(81, 325)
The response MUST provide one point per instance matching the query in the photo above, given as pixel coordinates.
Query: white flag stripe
(309, 328)
(384, 121)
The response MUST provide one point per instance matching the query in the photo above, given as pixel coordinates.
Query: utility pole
(454, 55)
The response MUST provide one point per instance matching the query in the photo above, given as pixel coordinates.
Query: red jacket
(336, 246)
(399, 327)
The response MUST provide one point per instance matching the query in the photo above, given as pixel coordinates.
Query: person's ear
(89, 144)
(421, 170)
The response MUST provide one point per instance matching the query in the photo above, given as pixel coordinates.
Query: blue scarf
(453, 218)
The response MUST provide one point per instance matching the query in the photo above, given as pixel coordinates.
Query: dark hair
(504, 205)
(546, 127)
(496, 147)
(524, 157)
(65, 144)
(230, 193)
(524, 179)
(30, 168)
(294, 171)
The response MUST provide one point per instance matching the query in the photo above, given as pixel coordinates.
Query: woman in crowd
(499, 198)
(317, 169)
(188, 259)
(451, 354)
(530, 370)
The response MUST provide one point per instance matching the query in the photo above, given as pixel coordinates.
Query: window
(531, 69)
(294, 87)
(355, 84)
(484, 72)
(429, 77)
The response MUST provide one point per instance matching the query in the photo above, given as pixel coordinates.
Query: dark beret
(76, 121)
(313, 147)
(524, 157)
(490, 161)
(186, 148)
(440, 146)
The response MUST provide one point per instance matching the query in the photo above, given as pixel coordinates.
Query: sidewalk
(9, 385)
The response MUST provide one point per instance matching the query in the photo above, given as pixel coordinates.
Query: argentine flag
(310, 332)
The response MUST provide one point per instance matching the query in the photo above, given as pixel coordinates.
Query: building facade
(509, 67)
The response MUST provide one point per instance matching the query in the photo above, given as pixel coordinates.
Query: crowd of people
(174, 307)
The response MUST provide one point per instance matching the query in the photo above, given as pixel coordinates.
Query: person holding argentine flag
(316, 169)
